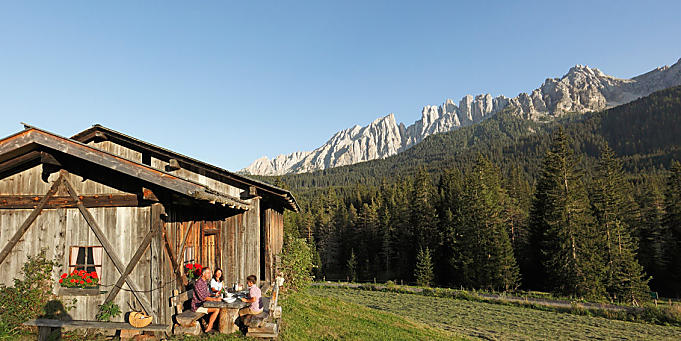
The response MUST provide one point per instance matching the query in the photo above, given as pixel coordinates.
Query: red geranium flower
(61, 280)
(190, 266)
(73, 280)
(198, 266)
(81, 281)
(64, 275)
(89, 280)
(94, 274)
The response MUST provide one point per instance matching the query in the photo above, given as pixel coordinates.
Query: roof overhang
(25, 144)
(99, 132)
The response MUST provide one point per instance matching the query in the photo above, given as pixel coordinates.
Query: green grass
(496, 321)
(313, 317)
(310, 316)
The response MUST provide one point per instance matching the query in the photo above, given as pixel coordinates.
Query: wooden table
(228, 313)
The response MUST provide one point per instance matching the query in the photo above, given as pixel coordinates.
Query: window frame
(84, 266)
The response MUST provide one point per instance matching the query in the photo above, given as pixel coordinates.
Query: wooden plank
(62, 201)
(27, 223)
(19, 160)
(156, 223)
(108, 247)
(92, 325)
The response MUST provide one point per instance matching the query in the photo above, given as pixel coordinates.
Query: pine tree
(423, 214)
(624, 277)
(652, 235)
(484, 238)
(352, 266)
(423, 273)
(672, 223)
(563, 227)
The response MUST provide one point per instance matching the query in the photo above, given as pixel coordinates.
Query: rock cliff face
(581, 90)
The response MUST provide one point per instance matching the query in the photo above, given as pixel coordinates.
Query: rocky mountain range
(581, 90)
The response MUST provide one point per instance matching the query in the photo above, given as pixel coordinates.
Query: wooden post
(108, 247)
(156, 258)
(31, 218)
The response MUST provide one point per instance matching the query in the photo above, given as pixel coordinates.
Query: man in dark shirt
(202, 294)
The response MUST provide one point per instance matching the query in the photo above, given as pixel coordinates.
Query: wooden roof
(36, 144)
(99, 132)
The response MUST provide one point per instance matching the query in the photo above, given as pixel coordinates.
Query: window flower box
(90, 291)
(79, 283)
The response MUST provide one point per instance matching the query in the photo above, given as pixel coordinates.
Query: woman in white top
(216, 281)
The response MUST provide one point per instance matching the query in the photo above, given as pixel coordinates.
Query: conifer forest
(586, 206)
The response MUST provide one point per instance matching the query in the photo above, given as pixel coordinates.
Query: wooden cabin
(135, 213)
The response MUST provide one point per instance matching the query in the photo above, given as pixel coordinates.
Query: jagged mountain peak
(580, 90)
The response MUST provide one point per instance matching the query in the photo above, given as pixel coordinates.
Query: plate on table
(229, 299)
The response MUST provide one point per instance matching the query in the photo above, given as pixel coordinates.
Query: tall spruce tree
(423, 272)
(672, 222)
(352, 266)
(562, 225)
(423, 214)
(484, 234)
(652, 235)
(613, 207)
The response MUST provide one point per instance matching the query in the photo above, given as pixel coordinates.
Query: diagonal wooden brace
(31, 218)
(131, 265)
(110, 250)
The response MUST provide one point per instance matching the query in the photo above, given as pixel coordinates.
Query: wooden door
(210, 245)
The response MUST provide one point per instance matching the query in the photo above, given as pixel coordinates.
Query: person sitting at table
(201, 295)
(254, 295)
(216, 282)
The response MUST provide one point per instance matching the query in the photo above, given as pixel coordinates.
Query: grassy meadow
(312, 315)
(497, 321)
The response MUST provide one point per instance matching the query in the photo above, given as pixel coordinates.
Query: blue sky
(230, 82)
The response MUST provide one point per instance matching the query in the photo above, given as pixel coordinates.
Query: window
(88, 258)
(189, 256)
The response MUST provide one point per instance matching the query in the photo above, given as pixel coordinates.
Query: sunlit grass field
(313, 315)
(497, 321)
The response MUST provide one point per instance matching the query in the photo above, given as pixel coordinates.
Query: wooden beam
(63, 201)
(131, 265)
(184, 240)
(156, 223)
(27, 223)
(49, 159)
(173, 165)
(149, 195)
(108, 247)
(172, 256)
(19, 160)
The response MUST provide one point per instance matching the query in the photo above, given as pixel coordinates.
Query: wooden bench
(49, 329)
(186, 320)
(265, 324)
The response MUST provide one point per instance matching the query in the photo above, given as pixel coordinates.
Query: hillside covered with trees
(587, 206)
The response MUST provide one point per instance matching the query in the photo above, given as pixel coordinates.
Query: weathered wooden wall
(56, 230)
(273, 237)
(59, 229)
